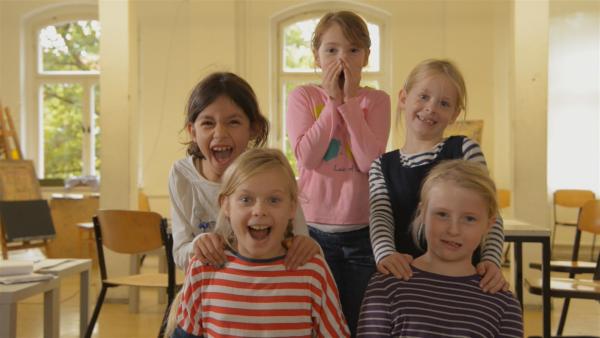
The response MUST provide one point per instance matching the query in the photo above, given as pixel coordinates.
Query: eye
(445, 104)
(441, 214)
(471, 219)
(331, 50)
(424, 97)
(275, 199)
(206, 123)
(355, 50)
(235, 122)
(245, 199)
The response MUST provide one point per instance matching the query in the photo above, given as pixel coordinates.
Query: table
(11, 294)
(520, 232)
(66, 267)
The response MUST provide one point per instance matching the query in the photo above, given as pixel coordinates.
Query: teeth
(258, 227)
(426, 120)
(221, 148)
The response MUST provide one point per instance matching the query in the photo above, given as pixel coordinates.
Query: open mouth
(259, 232)
(452, 244)
(222, 153)
(426, 120)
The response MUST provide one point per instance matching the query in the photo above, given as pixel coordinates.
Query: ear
(367, 53)
(402, 99)
(224, 203)
(190, 129)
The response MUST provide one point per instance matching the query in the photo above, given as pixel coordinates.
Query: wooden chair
(588, 221)
(569, 198)
(132, 232)
(503, 197)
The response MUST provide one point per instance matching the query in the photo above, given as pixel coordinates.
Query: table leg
(8, 320)
(546, 286)
(84, 301)
(52, 313)
(518, 266)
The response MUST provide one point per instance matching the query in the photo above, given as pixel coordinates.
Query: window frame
(35, 78)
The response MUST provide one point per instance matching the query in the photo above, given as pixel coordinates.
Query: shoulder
(307, 91)
(375, 94)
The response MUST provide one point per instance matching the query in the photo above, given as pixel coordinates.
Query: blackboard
(26, 220)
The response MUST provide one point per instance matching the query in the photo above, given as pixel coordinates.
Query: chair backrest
(143, 201)
(129, 231)
(589, 217)
(503, 196)
(572, 198)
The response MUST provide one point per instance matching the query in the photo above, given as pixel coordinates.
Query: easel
(9, 142)
(18, 180)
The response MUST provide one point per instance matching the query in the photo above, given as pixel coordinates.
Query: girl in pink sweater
(337, 129)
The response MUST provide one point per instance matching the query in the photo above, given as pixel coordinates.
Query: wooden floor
(115, 321)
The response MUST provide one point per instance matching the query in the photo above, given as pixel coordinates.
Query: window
(296, 64)
(66, 81)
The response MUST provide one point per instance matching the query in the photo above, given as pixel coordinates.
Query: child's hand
(301, 250)
(493, 280)
(351, 81)
(398, 264)
(331, 80)
(209, 248)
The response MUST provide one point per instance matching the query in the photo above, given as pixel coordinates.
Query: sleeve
(369, 131)
(300, 227)
(190, 309)
(494, 240)
(309, 135)
(511, 323)
(381, 217)
(375, 318)
(182, 199)
(327, 310)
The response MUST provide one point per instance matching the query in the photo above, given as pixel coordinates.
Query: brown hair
(465, 174)
(247, 165)
(353, 26)
(436, 67)
(239, 91)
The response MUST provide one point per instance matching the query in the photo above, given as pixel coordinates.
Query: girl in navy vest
(432, 98)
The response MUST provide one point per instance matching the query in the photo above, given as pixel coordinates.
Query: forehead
(334, 34)
(450, 195)
(223, 106)
(266, 180)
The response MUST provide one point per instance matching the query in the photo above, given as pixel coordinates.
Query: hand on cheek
(331, 76)
(351, 82)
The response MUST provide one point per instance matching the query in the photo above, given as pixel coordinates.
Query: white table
(66, 267)
(11, 294)
(520, 232)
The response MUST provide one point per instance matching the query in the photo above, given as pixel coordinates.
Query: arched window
(295, 62)
(64, 96)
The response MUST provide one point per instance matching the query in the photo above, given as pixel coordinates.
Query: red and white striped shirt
(260, 298)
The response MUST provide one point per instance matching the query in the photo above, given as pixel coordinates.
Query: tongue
(222, 155)
(259, 234)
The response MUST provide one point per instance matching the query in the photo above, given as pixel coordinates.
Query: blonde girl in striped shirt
(254, 295)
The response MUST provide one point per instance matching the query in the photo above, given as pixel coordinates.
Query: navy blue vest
(404, 188)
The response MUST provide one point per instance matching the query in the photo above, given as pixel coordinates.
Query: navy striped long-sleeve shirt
(381, 218)
(432, 305)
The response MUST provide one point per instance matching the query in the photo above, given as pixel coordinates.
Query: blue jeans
(350, 258)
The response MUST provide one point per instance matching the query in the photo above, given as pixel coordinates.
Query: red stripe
(258, 312)
(256, 299)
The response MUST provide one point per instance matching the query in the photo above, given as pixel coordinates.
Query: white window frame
(35, 78)
(279, 77)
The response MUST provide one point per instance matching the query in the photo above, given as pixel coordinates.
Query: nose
(454, 228)
(220, 129)
(258, 209)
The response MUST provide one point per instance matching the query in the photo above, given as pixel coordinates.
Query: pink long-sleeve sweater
(334, 145)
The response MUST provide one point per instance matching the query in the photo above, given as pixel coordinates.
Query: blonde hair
(353, 26)
(433, 67)
(469, 175)
(247, 165)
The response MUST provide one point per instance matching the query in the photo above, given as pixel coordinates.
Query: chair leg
(92, 323)
(552, 239)
(563, 317)
(593, 248)
(163, 325)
